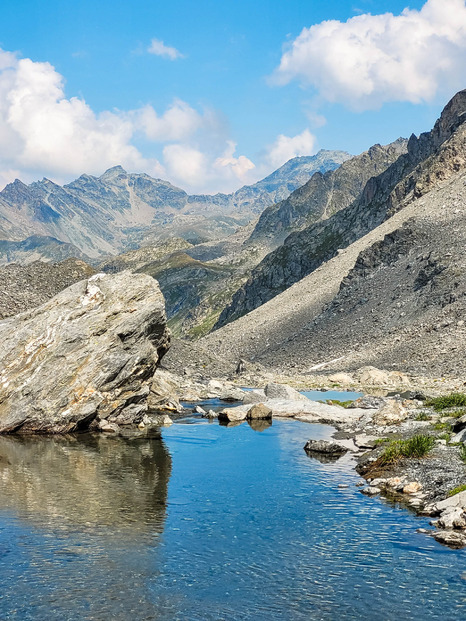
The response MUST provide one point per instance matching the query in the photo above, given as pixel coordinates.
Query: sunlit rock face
(88, 354)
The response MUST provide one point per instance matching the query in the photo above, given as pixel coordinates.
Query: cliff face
(430, 159)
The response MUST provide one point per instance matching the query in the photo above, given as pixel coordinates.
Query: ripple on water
(209, 523)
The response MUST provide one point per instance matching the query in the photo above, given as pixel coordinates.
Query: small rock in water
(371, 491)
(322, 446)
(199, 410)
(259, 411)
(343, 486)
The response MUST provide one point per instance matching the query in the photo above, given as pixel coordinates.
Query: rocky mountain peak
(113, 173)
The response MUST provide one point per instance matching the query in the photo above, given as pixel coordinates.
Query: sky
(212, 95)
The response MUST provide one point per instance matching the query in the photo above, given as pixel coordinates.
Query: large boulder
(87, 355)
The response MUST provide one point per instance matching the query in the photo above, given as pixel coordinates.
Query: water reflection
(86, 480)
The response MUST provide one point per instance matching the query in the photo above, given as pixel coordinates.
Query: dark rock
(324, 447)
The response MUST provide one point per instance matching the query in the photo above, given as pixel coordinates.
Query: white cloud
(159, 48)
(372, 59)
(236, 167)
(41, 131)
(185, 164)
(286, 147)
(178, 122)
(45, 133)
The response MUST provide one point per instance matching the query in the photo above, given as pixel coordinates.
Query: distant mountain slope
(395, 299)
(432, 157)
(107, 214)
(37, 248)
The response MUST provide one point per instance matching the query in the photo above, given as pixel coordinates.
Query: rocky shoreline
(406, 448)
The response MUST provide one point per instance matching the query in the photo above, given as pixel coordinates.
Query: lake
(209, 522)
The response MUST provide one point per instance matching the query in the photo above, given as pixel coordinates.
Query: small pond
(209, 522)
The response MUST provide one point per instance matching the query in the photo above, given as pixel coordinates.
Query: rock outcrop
(431, 159)
(87, 355)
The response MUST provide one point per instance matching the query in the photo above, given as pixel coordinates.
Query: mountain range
(99, 216)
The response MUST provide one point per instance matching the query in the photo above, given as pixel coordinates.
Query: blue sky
(87, 84)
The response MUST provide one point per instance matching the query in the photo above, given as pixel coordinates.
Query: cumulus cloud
(41, 131)
(286, 147)
(236, 167)
(186, 164)
(179, 121)
(159, 48)
(372, 59)
(45, 133)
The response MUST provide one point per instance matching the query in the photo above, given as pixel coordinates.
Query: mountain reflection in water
(88, 511)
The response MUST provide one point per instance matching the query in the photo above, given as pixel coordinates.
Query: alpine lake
(208, 522)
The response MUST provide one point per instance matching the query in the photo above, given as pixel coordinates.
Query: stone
(325, 447)
(341, 378)
(396, 483)
(371, 491)
(210, 414)
(198, 410)
(458, 500)
(365, 442)
(232, 394)
(233, 415)
(392, 413)
(459, 424)
(254, 396)
(367, 402)
(282, 391)
(163, 392)
(259, 411)
(370, 376)
(454, 517)
(451, 538)
(107, 427)
(89, 353)
(412, 488)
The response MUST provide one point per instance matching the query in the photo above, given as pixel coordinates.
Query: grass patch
(381, 441)
(423, 416)
(445, 436)
(442, 426)
(343, 404)
(463, 453)
(454, 400)
(454, 413)
(456, 490)
(415, 447)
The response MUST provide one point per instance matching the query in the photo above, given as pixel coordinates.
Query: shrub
(455, 399)
(463, 453)
(423, 416)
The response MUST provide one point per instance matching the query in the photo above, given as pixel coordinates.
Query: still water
(209, 522)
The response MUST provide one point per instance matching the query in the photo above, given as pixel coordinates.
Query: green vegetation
(417, 446)
(454, 413)
(456, 490)
(343, 404)
(463, 453)
(442, 425)
(455, 399)
(423, 416)
(445, 436)
(381, 441)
